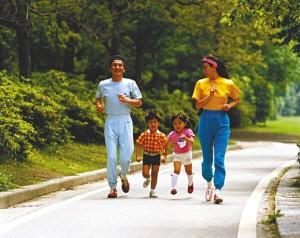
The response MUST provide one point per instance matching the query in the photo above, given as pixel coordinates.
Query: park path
(85, 212)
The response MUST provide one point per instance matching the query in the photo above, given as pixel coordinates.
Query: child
(153, 142)
(182, 138)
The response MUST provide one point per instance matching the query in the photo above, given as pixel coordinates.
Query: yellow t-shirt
(224, 88)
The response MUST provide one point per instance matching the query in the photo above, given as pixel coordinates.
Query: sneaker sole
(218, 201)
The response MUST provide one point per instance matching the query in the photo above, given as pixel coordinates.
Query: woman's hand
(226, 107)
(212, 90)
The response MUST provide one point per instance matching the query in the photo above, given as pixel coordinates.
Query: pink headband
(210, 61)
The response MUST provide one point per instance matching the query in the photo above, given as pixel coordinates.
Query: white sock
(174, 180)
(152, 190)
(190, 179)
(218, 192)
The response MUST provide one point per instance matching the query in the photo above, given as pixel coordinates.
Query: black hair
(221, 69)
(183, 118)
(116, 57)
(152, 115)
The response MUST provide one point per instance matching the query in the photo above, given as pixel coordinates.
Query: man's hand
(123, 98)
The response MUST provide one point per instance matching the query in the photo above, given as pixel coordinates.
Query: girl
(182, 138)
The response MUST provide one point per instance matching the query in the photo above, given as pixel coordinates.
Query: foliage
(5, 182)
(38, 113)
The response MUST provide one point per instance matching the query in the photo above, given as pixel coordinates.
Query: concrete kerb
(288, 202)
(15, 196)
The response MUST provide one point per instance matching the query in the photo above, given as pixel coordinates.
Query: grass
(284, 129)
(44, 165)
(284, 125)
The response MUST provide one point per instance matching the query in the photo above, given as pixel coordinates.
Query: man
(119, 95)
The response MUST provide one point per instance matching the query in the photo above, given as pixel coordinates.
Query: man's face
(117, 67)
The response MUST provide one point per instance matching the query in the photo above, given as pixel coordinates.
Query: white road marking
(247, 226)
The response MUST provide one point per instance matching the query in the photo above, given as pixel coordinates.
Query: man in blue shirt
(115, 96)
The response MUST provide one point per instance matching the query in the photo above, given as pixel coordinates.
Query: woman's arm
(201, 103)
(228, 106)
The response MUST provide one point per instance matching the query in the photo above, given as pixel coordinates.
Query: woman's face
(208, 70)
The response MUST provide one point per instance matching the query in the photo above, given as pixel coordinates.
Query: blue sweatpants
(118, 133)
(214, 132)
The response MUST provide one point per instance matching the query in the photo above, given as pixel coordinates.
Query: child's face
(153, 125)
(178, 125)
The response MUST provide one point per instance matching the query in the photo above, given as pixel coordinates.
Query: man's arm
(99, 105)
(131, 101)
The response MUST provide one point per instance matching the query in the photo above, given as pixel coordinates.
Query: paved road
(85, 212)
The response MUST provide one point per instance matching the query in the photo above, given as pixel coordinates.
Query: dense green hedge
(47, 110)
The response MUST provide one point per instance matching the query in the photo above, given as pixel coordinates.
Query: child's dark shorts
(151, 159)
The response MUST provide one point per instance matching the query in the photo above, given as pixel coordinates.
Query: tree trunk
(115, 34)
(1, 57)
(22, 32)
(138, 56)
(68, 61)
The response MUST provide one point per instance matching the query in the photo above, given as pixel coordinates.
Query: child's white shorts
(184, 158)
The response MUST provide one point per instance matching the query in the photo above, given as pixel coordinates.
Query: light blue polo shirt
(109, 90)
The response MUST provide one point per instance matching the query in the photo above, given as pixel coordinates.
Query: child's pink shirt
(174, 138)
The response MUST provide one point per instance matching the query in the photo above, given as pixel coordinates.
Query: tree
(282, 15)
(15, 15)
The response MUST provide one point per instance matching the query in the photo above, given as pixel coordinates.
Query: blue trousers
(118, 133)
(214, 133)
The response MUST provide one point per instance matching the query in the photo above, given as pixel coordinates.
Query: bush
(5, 182)
(49, 109)
(166, 104)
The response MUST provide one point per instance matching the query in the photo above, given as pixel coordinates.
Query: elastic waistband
(125, 116)
(151, 154)
(213, 111)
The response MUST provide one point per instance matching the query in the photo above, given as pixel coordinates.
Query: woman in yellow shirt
(211, 94)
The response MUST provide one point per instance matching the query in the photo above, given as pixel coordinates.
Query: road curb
(288, 202)
(15, 196)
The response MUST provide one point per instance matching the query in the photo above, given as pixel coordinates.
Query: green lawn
(44, 165)
(284, 125)
(285, 129)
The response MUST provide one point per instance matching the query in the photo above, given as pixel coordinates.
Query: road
(85, 212)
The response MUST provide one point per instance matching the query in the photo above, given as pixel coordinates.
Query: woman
(211, 95)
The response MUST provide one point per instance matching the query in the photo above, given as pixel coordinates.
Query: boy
(153, 142)
(120, 94)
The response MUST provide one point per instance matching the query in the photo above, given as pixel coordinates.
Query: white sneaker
(217, 197)
(146, 182)
(152, 194)
(209, 193)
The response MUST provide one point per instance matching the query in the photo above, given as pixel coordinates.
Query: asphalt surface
(85, 210)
